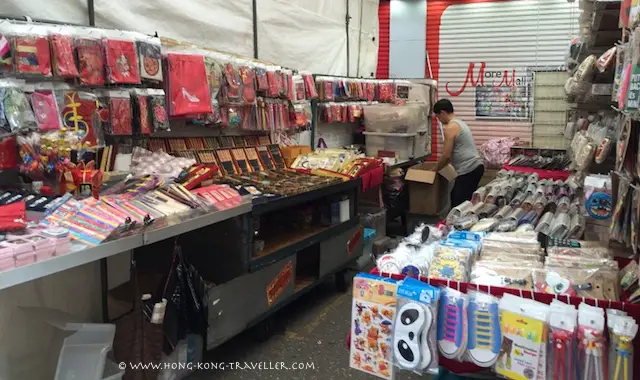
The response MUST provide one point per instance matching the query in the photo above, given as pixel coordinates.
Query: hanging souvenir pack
(120, 113)
(591, 355)
(247, 77)
(17, 109)
(121, 61)
(45, 108)
(562, 341)
(310, 86)
(232, 89)
(150, 59)
(188, 88)
(272, 79)
(214, 80)
(90, 61)
(157, 110)
(63, 60)
(6, 54)
(81, 116)
(140, 105)
(8, 154)
(453, 323)
(32, 54)
(262, 83)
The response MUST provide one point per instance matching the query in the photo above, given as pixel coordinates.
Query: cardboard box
(429, 191)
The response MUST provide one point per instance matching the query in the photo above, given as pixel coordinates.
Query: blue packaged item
(484, 335)
(467, 235)
(452, 323)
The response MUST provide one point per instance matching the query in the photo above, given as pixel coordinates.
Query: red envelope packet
(120, 112)
(45, 109)
(32, 55)
(64, 63)
(122, 61)
(188, 86)
(91, 61)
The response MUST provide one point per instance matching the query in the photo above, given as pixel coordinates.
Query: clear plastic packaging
(17, 110)
(150, 59)
(414, 337)
(484, 337)
(524, 325)
(623, 332)
(502, 274)
(561, 344)
(91, 61)
(63, 55)
(452, 323)
(592, 357)
(120, 113)
(31, 51)
(121, 59)
(45, 108)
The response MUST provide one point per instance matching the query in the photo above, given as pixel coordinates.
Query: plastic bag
(120, 113)
(6, 54)
(32, 54)
(91, 61)
(63, 57)
(18, 112)
(188, 88)
(121, 61)
(150, 59)
(140, 105)
(45, 108)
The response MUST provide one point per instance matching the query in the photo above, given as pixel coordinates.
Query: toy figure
(357, 330)
(375, 313)
(366, 318)
(384, 350)
(360, 342)
(359, 308)
(372, 339)
(388, 313)
(357, 359)
(385, 327)
(383, 368)
(367, 359)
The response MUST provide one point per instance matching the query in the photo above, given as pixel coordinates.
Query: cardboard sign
(279, 283)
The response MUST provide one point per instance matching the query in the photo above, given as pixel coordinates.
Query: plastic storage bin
(375, 218)
(404, 145)
(387, 118)
(81, 348)
(111, 371)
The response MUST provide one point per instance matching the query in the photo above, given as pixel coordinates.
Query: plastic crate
(404, 145)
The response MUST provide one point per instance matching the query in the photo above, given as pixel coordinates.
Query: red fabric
(45, 109)
(188, 87)
(145, 125)
(13, 216)
(91, 60)
(8, 153)
(120, 114)
(64, 62)
(457, 367)
(543, 174)
(32, 55)
(79, 114)
(122, 61)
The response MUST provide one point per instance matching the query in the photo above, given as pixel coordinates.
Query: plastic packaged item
(479, 195)
(458, 211)
(502, 274)
(560, 226)
(63, 56)
(32, 54)
(622, 333)
(120, 113)
(188, 87)
(91, 61)
(561, 344)
(247, 77)
(524, 326)
(450, 263)
(157, 110)
(606, 59)
(45, 108)
(6, 54)
(544, 223)
(484, 335)
(140, 107)
(121, 61)
(414, 336)
(484, 225)
(504, 212)
(453, 323)
(17, 110)
(150, 59)
(598, 283)
(591, 354)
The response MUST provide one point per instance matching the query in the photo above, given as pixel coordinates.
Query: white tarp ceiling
(302, 34)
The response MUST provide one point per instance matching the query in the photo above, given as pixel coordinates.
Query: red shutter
(384, 19)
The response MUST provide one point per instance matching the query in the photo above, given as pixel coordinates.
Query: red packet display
(45, 109)
(120, 113)
(247, 76)
(63, 60)
(122, 61)
(149, 57)
(80, 115)
(91, 61)
(6, 54)
(32, 55)
(188, 86)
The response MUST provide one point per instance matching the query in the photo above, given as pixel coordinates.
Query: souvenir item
(17, 110)
(623, 332)
(247, 77)
(6, 54)
(120, 113)
(414, 338)
(121, 61)
(91, 61)
(149, 58)
(32, 55)
(484, 337)
(80, 116)
(591, 356)
(188, 88)
(157, 110)
(8, 154)
(232, 89)
(373, 318)
(562, 342)
(45, 108)
(524, 336)
(63, 59)
(452, 323)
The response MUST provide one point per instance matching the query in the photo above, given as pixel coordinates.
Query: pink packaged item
(60, 238)
(7, 261)
(43, 247)
(22, 251)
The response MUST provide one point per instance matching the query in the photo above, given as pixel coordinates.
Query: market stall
(116, 142)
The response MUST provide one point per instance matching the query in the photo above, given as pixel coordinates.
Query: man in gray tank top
(460, 151)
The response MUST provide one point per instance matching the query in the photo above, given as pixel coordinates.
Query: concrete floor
(311, 330)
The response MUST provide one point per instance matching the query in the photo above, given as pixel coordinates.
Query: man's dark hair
(443, 105)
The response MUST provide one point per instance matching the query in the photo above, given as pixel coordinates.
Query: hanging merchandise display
(121, 61)
(91, 61)
(63, 60)
(188, 89)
